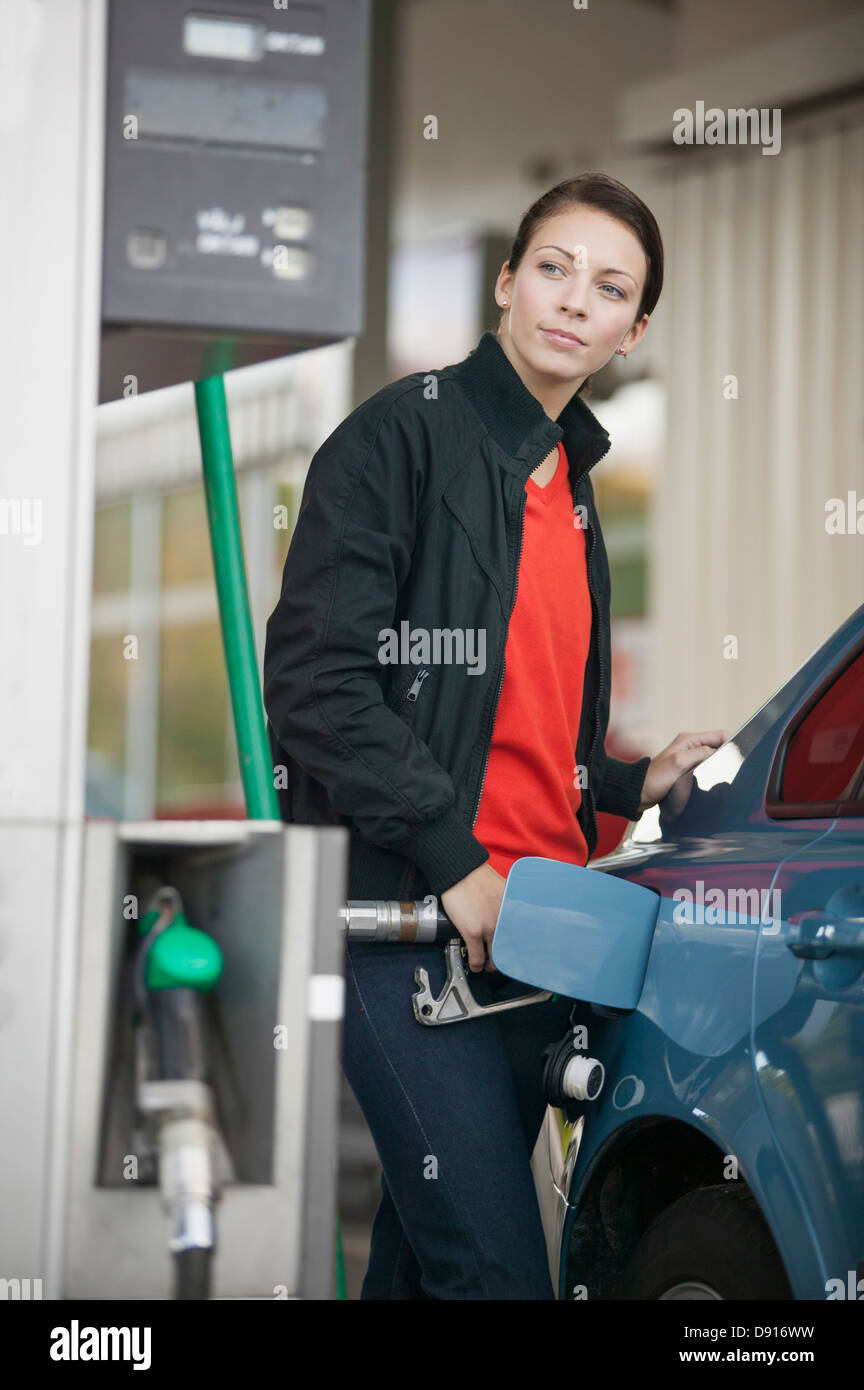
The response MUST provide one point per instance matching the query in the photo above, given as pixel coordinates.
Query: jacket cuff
(445, 850)
(621, 792)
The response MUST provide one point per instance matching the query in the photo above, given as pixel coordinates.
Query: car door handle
(816, 934)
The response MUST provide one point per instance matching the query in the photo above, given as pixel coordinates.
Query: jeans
(455, 1111)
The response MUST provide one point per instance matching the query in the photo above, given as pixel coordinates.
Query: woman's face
(583, 274)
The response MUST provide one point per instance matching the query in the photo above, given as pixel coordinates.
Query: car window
(825, 756)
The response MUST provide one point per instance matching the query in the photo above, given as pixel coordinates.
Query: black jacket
(412, 511)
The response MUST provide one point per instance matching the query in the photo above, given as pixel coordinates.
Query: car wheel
(711, 1243)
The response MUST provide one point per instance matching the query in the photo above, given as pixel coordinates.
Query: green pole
(223, 516)
(341, 1286)
(220, 488)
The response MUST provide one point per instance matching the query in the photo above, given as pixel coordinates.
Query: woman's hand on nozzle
(473, 905)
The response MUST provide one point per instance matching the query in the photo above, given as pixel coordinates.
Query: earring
(622, 354)
(504, 304)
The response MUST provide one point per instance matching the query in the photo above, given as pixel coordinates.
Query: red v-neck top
(531, 791)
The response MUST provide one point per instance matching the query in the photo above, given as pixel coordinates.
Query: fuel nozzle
(176, 965)
(418, 921)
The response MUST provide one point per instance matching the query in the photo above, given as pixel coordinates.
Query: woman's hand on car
(670, 775)
(473, 905)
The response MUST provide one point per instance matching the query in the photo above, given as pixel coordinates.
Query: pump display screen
(208, 37)
(227, 110)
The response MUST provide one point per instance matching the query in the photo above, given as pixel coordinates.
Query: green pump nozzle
(181, 957)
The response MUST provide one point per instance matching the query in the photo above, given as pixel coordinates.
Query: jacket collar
(517, 421)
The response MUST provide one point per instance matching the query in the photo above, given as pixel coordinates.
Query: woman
(449, 517)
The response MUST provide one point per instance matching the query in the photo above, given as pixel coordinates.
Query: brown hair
(601, 191)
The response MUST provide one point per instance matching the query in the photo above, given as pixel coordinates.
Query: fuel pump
(205, 173)
(235, 146)
(175, 965)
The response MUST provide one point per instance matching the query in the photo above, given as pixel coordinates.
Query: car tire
(712, 1243)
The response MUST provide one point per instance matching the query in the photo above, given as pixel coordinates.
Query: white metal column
(52, 55)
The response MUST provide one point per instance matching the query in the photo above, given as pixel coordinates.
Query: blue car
(723, 1157)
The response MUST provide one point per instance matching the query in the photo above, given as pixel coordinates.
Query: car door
(808, 1017)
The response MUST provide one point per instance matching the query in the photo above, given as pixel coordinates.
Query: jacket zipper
(501, 673)
(596, 628)
(411, 694)
(414, 690)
